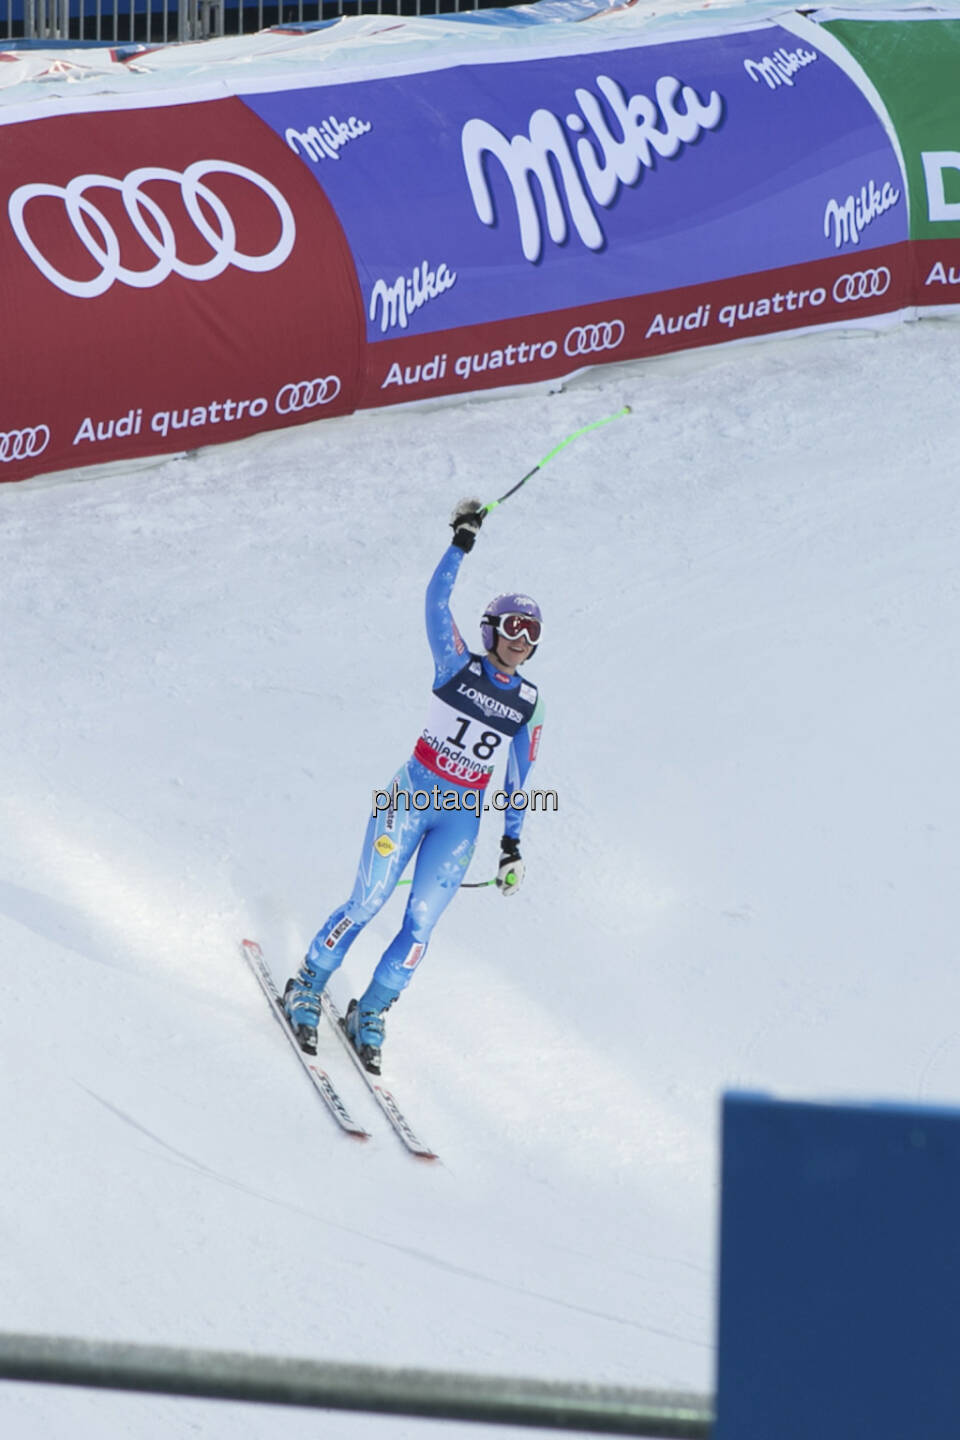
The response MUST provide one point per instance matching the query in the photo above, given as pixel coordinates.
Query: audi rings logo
(590, 339)
(861, 285)
(307, 395)
(152, 226)
(23, 444)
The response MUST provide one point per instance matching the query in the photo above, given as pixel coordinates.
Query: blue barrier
(839, 1314)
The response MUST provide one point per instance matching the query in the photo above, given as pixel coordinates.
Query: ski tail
(384, 1097)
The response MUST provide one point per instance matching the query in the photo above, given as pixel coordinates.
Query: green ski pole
(466, 885)
(594, 425)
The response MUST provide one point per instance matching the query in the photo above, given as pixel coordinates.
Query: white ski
(321, 1080)
(383, 1097)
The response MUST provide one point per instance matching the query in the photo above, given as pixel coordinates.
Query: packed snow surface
(750, 669)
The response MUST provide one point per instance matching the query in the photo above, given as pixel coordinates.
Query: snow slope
(750, 668)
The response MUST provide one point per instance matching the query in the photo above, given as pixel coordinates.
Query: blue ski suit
(435, 799)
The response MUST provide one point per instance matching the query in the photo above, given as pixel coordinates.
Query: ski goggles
(511, 627)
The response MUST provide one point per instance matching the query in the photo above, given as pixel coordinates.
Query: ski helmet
(507, 605)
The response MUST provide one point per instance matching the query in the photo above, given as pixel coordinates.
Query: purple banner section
(488, 192)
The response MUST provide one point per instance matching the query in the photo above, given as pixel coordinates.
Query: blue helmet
(504, 605)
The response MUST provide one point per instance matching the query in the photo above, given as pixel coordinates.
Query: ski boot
(301, 1005)
(365, 1030)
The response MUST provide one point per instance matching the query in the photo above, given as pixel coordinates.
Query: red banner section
(936, 272)
(168, 279)
(838, 291)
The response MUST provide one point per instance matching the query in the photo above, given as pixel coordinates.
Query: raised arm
(446, 643)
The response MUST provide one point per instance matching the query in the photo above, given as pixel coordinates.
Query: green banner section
(915, 66)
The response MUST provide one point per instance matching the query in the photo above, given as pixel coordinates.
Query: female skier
(435, 800)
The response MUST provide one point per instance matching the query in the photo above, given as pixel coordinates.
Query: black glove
(466, 521)
(510, 871)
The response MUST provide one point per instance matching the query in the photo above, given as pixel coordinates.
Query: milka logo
(546, 151)
(398, 301)
(780, 67)
(849, 218)
(326, 139)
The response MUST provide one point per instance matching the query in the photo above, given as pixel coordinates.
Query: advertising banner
(185, 268)
(915, 66)
(508, 221)
(166, 281)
